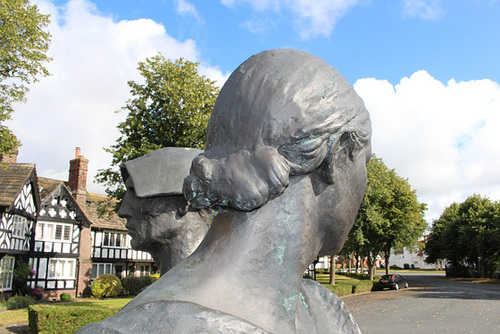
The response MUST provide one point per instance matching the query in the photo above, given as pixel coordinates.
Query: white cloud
(425, 9)
(186, 8)
(94, 57)
(443, 137)
(311, 18)
(318, 17)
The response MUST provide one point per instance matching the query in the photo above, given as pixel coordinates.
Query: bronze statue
(285, 167)
(159, 219)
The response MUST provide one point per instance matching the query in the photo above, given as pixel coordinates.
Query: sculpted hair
(281, 113)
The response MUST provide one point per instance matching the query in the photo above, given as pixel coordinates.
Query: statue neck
(176, 249)
(250, 264)
(259, 257)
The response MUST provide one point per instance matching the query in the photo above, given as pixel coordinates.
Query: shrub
(18, 302)
(406, 265)
(49, 319)
(65, 297)
(106, 285)
(22, 270)
(133, 285)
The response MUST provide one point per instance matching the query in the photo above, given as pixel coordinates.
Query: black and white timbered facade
(56, 246)
(112, 254)
(57, 231)
(19, 204)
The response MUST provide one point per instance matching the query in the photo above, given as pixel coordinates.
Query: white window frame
(48, 232)
(107, 268)
(58, 268)
(144, 270)
(19, 226)
(112, 238)
(7, 272)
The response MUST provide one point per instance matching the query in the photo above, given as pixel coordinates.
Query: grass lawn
(13, 317)
(20, 316)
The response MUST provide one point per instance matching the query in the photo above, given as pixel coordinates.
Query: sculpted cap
(160, 173)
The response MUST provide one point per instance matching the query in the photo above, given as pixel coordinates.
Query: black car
(393, 281)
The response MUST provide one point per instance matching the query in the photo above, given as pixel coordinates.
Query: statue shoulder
(171, 316)
(323, 310)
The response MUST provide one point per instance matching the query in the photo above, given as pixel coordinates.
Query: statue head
(154, 206)
(282, 114)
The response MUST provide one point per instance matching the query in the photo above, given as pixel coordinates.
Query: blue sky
(427, 70)
(383, 39)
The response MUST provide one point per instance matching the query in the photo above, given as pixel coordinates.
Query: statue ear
(339, 157)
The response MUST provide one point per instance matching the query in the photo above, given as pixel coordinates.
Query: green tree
(390, 215)
(468, 234)
(170, 109)
(23, 47)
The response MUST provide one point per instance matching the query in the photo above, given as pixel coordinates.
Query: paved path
(432, 304)
(19, 329)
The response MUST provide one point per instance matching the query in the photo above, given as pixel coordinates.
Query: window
(6, 272)
(62, 268)
(144, 271)
(19, 225)
(52, 231)
(111, 239)
(99, 269)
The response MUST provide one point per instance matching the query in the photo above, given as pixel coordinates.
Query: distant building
(54, 226)
(413, 258)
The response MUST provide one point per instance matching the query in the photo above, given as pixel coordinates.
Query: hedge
(347, 288)
(47, 319)
(341, 289)
(364, 286)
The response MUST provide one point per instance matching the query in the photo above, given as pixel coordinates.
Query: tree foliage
(170, 109)
(390, 215)
(23, 47)
(468, 234)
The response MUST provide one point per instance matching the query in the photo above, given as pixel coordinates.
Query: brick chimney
(10, 157)
(78, 168)
(77, 183)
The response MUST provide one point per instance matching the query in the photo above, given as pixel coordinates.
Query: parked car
(393, 281)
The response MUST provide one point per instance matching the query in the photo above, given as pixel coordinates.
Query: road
(432, 304)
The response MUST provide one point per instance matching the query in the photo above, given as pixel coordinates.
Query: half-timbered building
(19, 205)
(54, 226)
(56, 247)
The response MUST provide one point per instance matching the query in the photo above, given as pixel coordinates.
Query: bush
(49, 319)
(406, 265)
(65, 297)
(133, 285)
(106, 285)
(18, 302)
